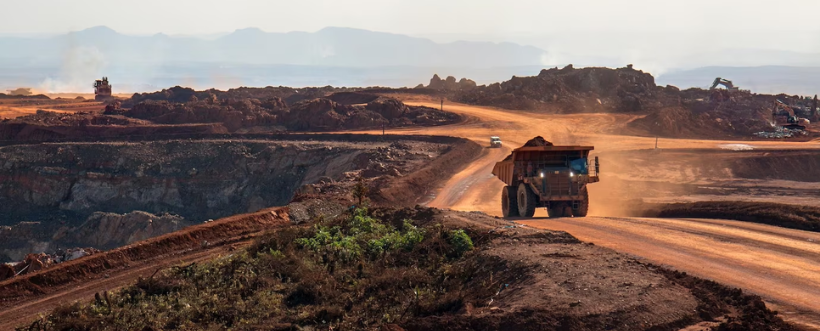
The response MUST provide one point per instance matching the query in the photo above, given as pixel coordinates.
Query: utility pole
(656, 142)
(382, 129)
(442, 104)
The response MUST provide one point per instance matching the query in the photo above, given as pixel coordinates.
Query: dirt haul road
(776, 263)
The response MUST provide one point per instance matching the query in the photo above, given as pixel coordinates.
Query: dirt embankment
(803, 166)
(515, 278)
(632, 178)
(789, 216)
(219, 232)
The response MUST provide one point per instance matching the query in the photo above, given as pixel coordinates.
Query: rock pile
(247, 108)
(36, 262)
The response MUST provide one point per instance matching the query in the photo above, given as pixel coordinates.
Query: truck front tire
(527, 201)
(583, 205)
(509, 203)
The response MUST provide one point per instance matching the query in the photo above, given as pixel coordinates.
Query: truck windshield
(580, 166)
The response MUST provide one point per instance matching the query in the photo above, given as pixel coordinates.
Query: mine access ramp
(540, 174)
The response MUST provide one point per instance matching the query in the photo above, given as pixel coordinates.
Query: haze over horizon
(657, 37)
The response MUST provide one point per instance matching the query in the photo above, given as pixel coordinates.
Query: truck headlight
(571, 174)
(542, 175)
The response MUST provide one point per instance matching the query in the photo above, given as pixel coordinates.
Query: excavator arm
(725, 82)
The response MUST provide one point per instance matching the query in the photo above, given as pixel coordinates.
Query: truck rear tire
(509, 202)
(526, 201)
(583, 205)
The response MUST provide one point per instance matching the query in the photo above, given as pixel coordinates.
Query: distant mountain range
(339, 57)
(342, 47)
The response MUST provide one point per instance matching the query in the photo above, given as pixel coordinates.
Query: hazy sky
(655, 35)
(419, 17)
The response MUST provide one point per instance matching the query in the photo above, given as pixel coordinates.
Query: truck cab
(495, 142)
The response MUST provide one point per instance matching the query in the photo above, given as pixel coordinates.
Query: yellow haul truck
(540, 174)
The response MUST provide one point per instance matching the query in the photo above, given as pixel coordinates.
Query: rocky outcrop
(316, 114)
(571, 90)
(388, 108)
(450, 84)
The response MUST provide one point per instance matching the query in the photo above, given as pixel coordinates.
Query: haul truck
(540, 174)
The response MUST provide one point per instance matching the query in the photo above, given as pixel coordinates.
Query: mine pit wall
(196, 180)
(700, 164)
(60, 185)
(802, 166)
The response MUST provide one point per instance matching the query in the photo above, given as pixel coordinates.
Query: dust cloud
(81, 66)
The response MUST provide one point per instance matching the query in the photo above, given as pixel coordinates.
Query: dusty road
(781, 265)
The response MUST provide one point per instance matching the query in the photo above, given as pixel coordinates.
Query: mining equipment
(102, 90)
(540, 174)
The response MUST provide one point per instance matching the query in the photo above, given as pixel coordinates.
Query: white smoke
(81, 66)
(552, 58)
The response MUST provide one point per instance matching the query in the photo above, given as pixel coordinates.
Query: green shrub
(461, 242)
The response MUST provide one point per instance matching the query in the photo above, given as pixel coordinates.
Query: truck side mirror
(597, 166)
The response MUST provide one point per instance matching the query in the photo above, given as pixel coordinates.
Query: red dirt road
(781, 265)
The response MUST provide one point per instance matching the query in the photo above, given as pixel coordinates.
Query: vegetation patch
(353, 272)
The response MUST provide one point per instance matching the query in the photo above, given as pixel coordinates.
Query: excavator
(783, 115)
(725, 82)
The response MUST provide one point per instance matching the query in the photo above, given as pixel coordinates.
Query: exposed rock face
(466, 84)
(197, 180)
(450, 84)
(109, 230)
(100, 230)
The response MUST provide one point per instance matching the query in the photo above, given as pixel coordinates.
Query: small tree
(360, 192)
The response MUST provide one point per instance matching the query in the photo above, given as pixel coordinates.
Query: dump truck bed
(541, 157)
